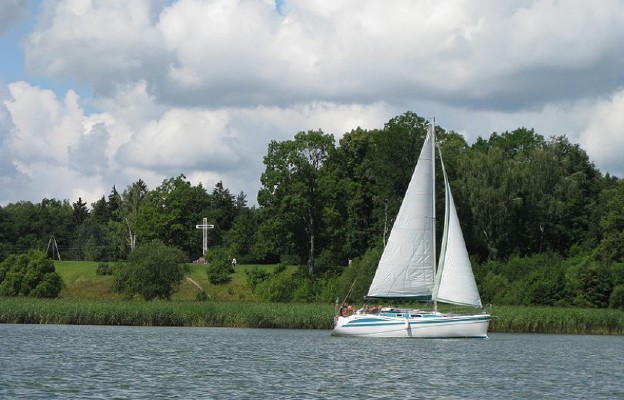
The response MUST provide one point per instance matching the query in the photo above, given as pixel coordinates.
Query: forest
(542, 224)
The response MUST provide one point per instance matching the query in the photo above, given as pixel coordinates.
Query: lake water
(106, 362)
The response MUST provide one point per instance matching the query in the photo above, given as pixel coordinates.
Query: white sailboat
(407, 268)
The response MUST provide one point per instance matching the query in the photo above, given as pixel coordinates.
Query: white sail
(455, 282)
(406, 266)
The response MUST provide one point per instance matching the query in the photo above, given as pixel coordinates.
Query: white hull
(430, 326)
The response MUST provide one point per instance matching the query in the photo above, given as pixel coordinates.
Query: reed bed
(166, 313)
(513, 319)
(508, 319)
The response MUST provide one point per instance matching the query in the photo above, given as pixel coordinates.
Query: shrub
(31, 274)
(220, 266)
(278, 287)
(219, 272)
(616, 300)
(256, 276)
(154, 270)
(103, 269)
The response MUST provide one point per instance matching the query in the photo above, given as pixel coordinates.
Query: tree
(527, 195)
(241, 237)
(170, 213)
(611, 246)
(590, 282)
(154, 270)
(292, 191)
(114, 202)
(124, 218)
(81, 212)
(132, 201)
(221, 211)
(353, 228)
(92, 239)
(31, 274)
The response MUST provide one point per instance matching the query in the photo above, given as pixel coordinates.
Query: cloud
(184, 139)
(236, 53)
(45, 125)
(7, 131)
(98, 43)
(603, 138)
(11, 11)
(36, 146)
(88, 155)
(200, 88)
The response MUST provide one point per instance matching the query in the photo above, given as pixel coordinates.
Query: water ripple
(103, 362)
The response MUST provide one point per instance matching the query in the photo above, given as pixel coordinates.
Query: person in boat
(344, 310)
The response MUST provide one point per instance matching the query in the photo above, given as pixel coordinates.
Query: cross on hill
(204, 227)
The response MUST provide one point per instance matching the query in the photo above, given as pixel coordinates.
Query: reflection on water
(103, 362)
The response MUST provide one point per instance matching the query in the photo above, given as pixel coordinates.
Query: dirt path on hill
(194, 283)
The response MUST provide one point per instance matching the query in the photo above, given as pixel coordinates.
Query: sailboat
(407, 269)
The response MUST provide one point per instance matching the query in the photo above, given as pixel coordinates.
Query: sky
(101, 93)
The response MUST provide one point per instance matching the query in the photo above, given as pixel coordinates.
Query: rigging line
(348, 293)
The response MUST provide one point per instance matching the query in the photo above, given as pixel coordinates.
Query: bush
(154, 270)
(219, 272)
(590, 281)
(278, 287)
(49, 287)
(103, 269)
(31, 274)
(256, 276)
(616, 300)
(220, 266)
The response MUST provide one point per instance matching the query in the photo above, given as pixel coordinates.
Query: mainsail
(406, 266)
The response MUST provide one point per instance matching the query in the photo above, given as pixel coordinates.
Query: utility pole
(52, 243)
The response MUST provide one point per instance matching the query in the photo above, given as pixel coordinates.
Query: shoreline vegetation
(507, 319)
(87, 299)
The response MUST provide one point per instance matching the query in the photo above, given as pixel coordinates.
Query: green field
(86, 298)
(81, 282)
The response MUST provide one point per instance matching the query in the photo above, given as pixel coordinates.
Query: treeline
(542, 224)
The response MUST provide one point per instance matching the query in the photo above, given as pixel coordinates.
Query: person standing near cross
(204, 227)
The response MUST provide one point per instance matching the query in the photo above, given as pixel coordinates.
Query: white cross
(204, 227)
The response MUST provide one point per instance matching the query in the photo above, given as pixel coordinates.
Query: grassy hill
(81, 282)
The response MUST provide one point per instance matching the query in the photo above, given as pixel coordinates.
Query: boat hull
(434, 326)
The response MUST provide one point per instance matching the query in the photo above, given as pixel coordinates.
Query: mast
(433, 239)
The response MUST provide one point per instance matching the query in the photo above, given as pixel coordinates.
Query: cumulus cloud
(603, 138)
(183, 139)
(42, 129)
(98, 43)
(200, 88)
(45, 125)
